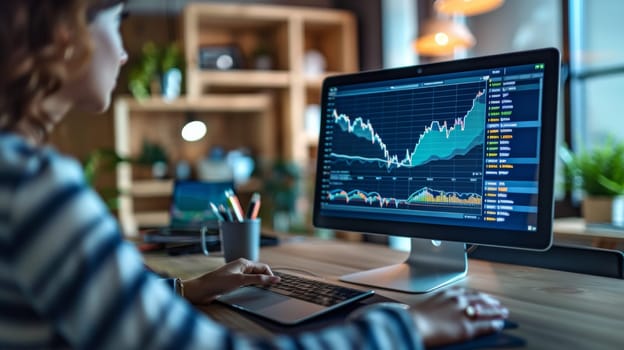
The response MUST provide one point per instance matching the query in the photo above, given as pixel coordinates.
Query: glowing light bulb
(441, 39)
(194, 131)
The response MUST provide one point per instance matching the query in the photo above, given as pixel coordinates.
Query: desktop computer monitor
(445, 153)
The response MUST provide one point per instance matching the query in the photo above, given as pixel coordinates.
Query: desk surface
(555, 310)
(576, 231)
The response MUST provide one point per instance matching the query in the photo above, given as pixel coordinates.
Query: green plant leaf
(152, 153)
(598, 172)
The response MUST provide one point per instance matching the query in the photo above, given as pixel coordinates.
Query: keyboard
(314, 291)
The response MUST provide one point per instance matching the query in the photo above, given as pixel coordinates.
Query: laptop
(294, 300)
(190, 211)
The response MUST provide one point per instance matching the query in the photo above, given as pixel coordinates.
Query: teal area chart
(440, 140)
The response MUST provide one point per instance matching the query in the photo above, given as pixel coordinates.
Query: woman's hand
(458, 314)
(204, 289)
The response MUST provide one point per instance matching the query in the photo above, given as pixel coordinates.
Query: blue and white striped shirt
(67, 278)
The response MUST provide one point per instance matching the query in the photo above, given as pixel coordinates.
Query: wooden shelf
(234, 103)
(253, 78)
(243, 78)
(152, 218)
(151, 188)
(239, 15)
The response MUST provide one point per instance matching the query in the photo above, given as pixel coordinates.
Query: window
(596, 70)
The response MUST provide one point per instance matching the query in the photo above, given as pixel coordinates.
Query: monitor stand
(430, 265)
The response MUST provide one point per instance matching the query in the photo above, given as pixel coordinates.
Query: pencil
(235, 204)
(254, 206)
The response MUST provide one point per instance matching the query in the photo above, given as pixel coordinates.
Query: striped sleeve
(91, 287)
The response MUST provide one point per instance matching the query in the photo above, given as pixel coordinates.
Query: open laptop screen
(190, 206)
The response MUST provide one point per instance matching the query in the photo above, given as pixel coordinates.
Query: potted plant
(158, 72)
(154, 156)
(599, 173)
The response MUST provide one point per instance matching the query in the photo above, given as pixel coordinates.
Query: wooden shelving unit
(289, 32)
(156, 119)
(260, 109)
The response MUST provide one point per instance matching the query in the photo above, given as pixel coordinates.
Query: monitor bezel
(541, 239)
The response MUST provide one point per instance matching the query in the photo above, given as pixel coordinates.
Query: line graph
(408, 149)
(425, 195)
(438, 141)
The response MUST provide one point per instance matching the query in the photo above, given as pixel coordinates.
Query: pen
(235, 204)
(225, 213)
(215, 211)
(254, 206)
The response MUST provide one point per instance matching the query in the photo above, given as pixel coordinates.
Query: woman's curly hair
(35, 56)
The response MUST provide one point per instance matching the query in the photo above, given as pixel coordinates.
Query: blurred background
(220, 90)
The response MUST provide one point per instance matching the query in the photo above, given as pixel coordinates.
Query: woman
(66, 276)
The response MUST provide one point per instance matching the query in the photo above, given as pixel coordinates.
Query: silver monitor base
(430, 265)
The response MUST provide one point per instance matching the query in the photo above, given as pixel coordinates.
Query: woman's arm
(80, 275)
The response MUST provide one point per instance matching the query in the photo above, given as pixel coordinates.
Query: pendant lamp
(441, 37)
(466, 7)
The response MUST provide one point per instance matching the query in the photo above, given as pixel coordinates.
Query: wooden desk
(575, 230)
(555, 310)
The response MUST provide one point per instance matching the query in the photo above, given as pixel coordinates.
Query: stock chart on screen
(435, 149)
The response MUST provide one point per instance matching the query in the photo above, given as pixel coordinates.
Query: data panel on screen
(458, 149)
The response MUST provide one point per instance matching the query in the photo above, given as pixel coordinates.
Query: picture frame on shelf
(220, 57)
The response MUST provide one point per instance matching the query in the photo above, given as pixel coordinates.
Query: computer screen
(190, 204)
(458, 151)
